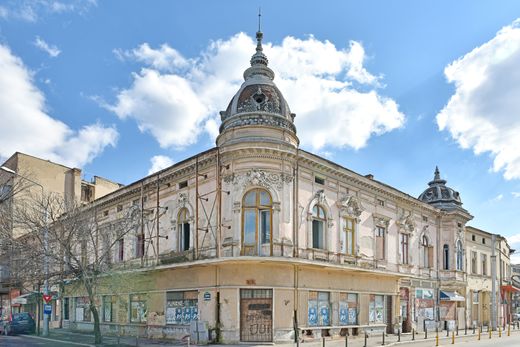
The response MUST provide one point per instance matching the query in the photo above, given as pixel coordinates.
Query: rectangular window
(139, 250)
(483, 241)
(380, 242)
(182, 307)
(137, 309)
(381, 202)
(105, 213)
(348, 244)
(183, 184)
(376, 309)
(319, 180)
(348, 308)
(319, 309)
(474, 262)
(135, 202)
(424, 218)
(82, 309)
(484, 264)
(66, 308)
(404, 248)
(473, 238)
(108, 305)
(317, 234)
(119, 208)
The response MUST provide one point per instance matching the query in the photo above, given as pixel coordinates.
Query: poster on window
(186, 314)
(170, 315)
(343, 315)
(352, 316)
(178, 314)
(313, 316)
(324, 315)
(194, 313)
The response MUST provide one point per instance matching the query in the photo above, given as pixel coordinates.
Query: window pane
(250, 198)
(317, 234)
(350, 245)
(265, 199)
(315, 211)
(321, 212)
(265, 225)
(249, 227)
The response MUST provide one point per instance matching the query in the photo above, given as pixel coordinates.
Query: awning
(451, 296)
(23, 299)
(510, 288)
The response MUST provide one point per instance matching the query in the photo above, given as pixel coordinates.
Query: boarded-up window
(348, 308)
(380, 243)
(430, 257)
(181, 307)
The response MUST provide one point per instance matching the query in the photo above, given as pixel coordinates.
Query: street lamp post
(45, 246)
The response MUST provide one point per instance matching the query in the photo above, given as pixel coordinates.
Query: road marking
(60, 341)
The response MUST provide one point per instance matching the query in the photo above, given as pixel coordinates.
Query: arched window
(446, 257)
(460, 256)
(184, 230)
(318, 227)
(256, 222)
(426, 254)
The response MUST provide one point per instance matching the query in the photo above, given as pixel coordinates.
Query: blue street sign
(47, 309)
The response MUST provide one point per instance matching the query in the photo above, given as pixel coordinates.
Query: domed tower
(440, 195)
(258, 112)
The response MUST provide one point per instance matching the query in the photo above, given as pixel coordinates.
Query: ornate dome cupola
(440, 195)
(258, 112)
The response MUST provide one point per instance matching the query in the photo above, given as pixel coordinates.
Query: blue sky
(120, 88)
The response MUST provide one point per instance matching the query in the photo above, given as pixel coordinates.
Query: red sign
(47, 298)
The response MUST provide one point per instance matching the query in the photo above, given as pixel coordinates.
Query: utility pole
(493, 283)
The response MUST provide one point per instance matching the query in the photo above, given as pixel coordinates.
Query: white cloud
(29, 128)
(497, 198)
(483, 114)
(51, 50)
(515, 194)
(159, 162)
(336, 99)
(32, 10)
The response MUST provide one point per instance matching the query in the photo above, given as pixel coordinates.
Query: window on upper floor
(473, 262)
(183, 227)
(427, 252)
(404, 248)
(380, 242)
(319, 180)
(348, 239)
(318, 227)
(483, 241)
(257, 222)
(183, 184)
(483, 258)
(381, 202)
(121, 249)
(460, 256)
(473, 237)
(446, 257)
(139, 249)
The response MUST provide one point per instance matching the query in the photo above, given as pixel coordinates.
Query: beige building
(257, 240)
(34, 177)
(480, 262)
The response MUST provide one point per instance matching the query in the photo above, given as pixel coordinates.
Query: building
(34, 177)
(482, 266)
(257, 240)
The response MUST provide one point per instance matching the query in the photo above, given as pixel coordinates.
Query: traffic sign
(47, 309)
(47, 298)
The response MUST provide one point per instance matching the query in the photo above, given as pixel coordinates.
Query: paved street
(85, 340)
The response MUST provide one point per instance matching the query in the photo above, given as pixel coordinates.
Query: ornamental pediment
(256, 177)
(350, 206)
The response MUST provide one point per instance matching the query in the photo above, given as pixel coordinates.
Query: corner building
(257, 240)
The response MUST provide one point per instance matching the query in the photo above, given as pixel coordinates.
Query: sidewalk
(87, 339)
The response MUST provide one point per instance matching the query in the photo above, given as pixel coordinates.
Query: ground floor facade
(253, 300)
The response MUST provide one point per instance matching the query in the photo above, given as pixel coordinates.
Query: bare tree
(69, 237)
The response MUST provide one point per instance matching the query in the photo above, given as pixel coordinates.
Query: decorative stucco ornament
(406, 222)
(182, 200)
(350, 205)
(320, 196)
(256, 177)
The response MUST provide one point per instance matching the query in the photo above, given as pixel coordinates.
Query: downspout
(295, 243)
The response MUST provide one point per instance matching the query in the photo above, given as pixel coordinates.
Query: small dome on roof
(258, 101)
(440, 195)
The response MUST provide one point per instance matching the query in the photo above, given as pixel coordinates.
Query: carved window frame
(257, 208)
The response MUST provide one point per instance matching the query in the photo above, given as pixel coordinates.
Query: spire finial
(259, 34)
(259, 18)
(437, 173)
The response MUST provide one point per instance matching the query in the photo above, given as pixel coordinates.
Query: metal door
(256, 315)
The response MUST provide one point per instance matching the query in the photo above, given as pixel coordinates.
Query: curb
(60, 341)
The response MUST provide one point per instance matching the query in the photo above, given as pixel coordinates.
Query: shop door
(256, 315)
(389, 315)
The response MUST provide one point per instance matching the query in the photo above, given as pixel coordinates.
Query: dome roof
(258, 101)
(440, 195)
